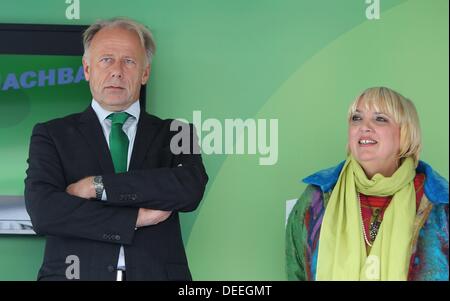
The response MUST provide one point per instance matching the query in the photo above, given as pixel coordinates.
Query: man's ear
(86, 68)
(146, 74)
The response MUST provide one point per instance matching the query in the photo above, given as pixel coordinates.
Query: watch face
(98, 185)
(98, 180)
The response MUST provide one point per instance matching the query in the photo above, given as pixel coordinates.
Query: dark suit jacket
(65, 150)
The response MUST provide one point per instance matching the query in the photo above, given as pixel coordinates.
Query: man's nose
(117, 71)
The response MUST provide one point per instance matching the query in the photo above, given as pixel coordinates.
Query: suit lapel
(91, 129)
(146, 131)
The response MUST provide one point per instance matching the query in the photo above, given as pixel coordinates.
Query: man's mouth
(115, 87)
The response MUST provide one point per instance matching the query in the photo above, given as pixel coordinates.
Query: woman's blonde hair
(401, 109)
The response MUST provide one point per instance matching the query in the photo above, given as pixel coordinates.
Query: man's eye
(129, 61)
(105, 59)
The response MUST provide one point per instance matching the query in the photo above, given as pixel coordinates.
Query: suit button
(117, 237)
(111, 268)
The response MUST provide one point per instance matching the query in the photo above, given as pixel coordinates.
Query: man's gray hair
(143, 32)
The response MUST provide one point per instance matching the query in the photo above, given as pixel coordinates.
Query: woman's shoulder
(435, 186)
(325, 179)
(318, 184)
(312, 196)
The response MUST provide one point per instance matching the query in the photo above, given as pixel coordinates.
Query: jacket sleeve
(55, 212)
(179, 187)
(296, 238)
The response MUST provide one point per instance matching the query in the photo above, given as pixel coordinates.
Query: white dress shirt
(129, 127)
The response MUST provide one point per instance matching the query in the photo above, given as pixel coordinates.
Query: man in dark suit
(104, 185)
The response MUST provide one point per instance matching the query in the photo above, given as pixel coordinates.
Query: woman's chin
(366, 158)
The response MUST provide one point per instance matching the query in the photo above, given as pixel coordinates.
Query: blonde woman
(382, 214)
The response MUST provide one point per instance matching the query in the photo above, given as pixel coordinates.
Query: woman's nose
(366, 126)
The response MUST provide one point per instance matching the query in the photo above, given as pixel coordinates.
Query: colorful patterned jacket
(430, 253)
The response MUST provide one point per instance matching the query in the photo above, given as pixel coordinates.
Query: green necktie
(118, 141)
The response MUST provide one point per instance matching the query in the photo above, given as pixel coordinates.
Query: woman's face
(374, 141)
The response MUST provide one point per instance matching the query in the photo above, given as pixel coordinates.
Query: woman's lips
(366, 142)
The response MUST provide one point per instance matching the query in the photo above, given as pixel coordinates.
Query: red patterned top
(373, 207)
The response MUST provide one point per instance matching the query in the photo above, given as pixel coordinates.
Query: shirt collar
(134, 110)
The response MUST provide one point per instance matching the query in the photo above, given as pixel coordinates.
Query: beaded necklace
(374, 225)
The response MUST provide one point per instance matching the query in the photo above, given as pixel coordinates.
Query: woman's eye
(382, 119)
(356, 118)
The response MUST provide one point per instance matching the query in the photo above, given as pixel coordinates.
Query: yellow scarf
(342, 252)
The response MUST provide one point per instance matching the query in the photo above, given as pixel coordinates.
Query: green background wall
(300, 61)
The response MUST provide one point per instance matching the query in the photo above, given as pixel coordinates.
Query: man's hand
(84, 188)
(148, 217)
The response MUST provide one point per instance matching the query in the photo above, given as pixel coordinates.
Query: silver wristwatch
(98, 185)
